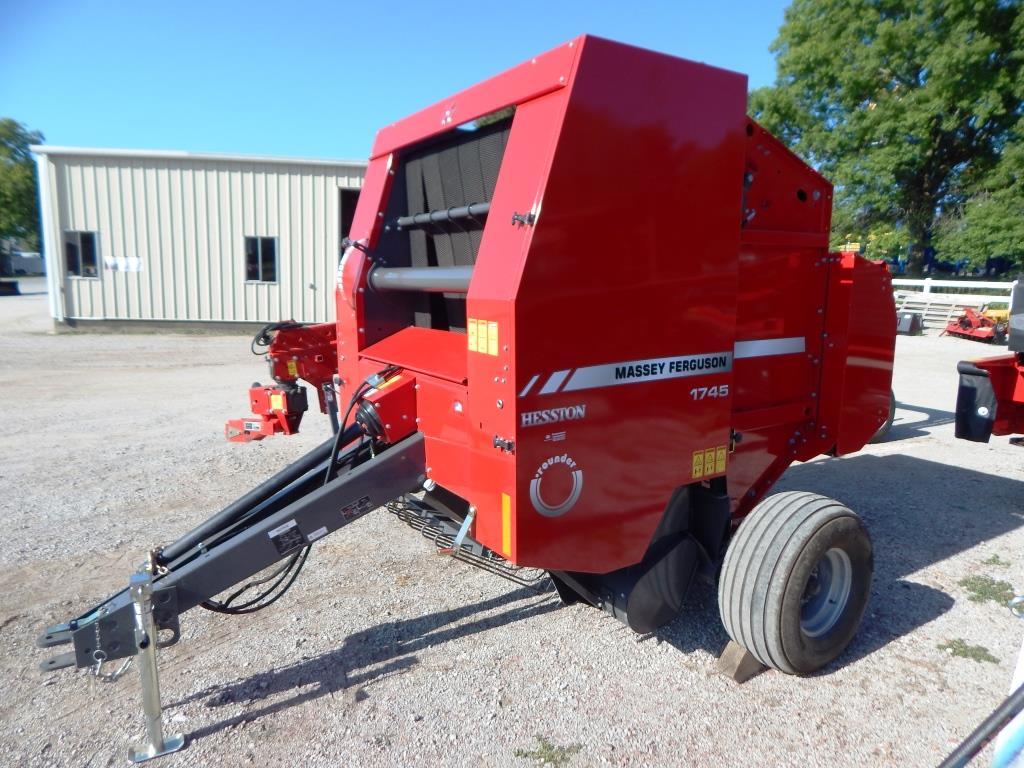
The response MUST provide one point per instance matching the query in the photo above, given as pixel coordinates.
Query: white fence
(937, 309)
(927, 284)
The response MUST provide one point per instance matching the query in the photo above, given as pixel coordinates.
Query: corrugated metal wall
(171, 236)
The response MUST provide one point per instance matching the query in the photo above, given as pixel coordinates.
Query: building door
(81, 264)
(347, 199)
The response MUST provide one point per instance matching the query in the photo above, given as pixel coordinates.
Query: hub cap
(826, 594)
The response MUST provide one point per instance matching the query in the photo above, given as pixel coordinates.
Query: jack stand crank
(155, 745)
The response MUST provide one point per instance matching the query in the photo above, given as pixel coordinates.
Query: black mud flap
(647, 595)
(975, 404)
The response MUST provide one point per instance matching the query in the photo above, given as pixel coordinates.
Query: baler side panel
(632, 263)
(351, 279)
(494, 369)
(867, 354)
(782, 290)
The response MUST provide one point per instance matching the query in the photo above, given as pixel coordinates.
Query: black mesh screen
(459, 169)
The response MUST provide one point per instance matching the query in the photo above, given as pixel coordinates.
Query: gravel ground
(388, 654)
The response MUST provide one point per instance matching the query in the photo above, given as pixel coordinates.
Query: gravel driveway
(385, 653)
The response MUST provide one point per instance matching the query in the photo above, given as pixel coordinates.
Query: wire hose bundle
(282, 578)
(263, 337)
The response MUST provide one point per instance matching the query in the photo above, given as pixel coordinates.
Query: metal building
(180, 237)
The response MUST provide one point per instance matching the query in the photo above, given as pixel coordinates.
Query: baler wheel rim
(827, 593)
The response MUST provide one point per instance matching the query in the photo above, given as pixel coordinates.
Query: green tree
(991, 221)
(905, 105)
(19, 197)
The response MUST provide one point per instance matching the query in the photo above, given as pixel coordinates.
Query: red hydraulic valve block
(388, 411)
(275, 410)
(294, 352)
(307, 352)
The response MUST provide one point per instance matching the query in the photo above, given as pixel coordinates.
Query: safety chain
(109, 677)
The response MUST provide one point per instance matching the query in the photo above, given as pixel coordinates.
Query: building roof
(171, 154)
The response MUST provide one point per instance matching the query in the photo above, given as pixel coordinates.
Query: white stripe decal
(529, 385)
(867, 362)
(768, 347)
(554, 382)
(656, 369)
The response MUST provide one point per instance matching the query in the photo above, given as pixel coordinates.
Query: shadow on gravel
(918, 512)
(902, 429)
(365, 657)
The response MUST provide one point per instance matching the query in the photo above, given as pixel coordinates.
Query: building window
(80, 254)
(261, 259)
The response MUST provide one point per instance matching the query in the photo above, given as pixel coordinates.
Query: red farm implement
(990, 400)
(976, 325)
(586, 335)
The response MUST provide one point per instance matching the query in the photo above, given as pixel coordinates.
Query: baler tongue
(279, 520)
(58, 634)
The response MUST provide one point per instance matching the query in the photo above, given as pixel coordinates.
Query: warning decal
(356, 508)
(286, 537)
(708, 461)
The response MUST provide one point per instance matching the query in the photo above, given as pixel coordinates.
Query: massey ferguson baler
(586, 317)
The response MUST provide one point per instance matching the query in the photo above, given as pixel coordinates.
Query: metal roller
(472, 211)
(427, 279)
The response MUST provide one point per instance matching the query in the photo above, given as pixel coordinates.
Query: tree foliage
(991, 221)
(907, 106)
(19, 206)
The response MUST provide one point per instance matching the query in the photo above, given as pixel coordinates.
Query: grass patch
(961, 649)
(982, 588)
(996, 560)
(550, 754)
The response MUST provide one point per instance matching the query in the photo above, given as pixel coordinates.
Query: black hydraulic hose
(241, 506)
(987, 731)
(263, 337)
(343, 438)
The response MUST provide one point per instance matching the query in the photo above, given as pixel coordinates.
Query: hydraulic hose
(241, 506)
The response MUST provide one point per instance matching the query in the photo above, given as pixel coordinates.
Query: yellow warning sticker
(709, 461)
(277, 402)
(389, 382)
(293, 369)
(482, 336)
(698, 464)
(492, 338)
(506, 525)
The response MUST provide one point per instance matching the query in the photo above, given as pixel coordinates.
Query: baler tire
(766, 587)
(883, 430)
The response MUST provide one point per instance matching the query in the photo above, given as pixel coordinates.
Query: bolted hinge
(506, 445)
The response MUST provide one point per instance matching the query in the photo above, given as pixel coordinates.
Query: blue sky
(312, 79)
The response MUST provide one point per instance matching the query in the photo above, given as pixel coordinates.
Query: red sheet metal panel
(542, 74)
(625, 309)
(869, 354)
(423, 350)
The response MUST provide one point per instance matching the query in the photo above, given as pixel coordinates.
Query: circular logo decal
(562, 479)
